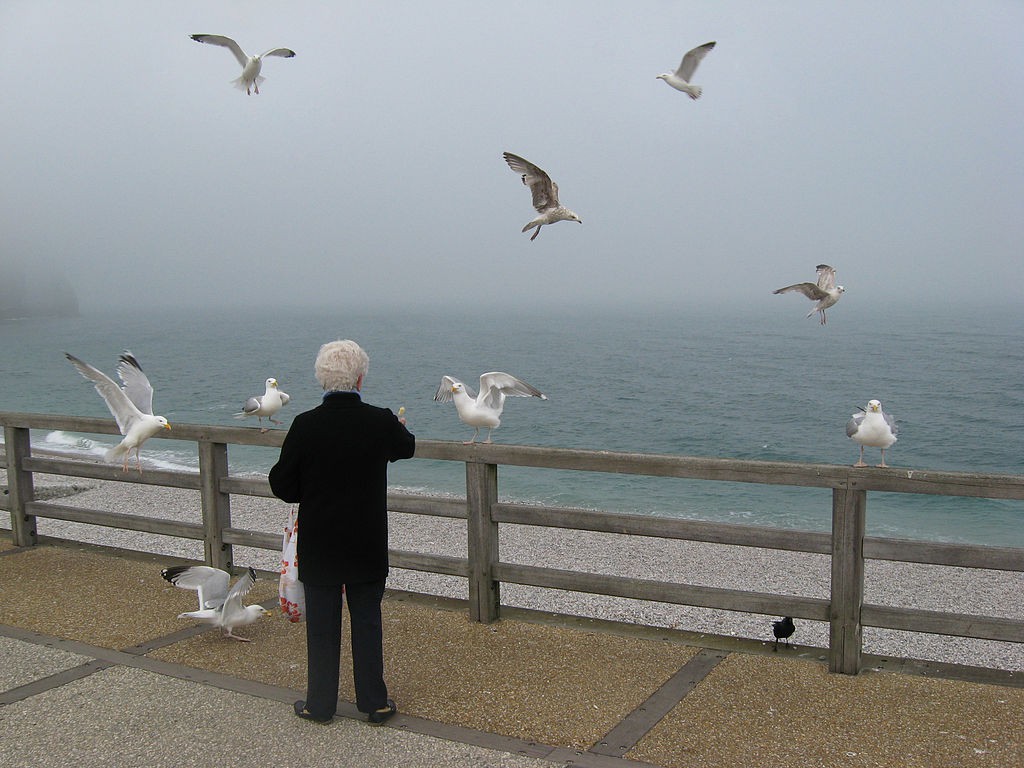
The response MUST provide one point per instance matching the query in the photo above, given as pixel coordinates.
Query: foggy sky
(883, 138)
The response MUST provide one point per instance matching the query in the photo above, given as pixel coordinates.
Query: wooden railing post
(849, 512)
(20, 487)
(213, 467)
(482, 535)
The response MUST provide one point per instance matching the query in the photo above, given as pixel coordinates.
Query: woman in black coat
(334, 463)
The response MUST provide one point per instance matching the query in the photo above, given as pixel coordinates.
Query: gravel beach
(993, 593)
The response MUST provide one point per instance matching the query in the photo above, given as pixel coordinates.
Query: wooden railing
(845, 610)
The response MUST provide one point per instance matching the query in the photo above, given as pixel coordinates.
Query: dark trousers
(323, 646)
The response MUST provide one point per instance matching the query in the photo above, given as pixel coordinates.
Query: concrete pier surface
(98, 670)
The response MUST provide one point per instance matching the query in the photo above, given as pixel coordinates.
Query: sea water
(749, 385)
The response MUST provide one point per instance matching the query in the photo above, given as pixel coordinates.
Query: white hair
(340, 364)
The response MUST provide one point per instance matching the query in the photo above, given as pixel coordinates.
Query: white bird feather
(484, 409)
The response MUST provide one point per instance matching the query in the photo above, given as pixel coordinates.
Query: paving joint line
(632, 728)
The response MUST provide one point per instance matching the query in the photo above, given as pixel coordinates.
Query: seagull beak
(167, 426)
(267, 613)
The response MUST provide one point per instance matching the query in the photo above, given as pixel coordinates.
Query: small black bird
(783, 630)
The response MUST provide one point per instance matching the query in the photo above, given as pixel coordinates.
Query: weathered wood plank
(421, 561)
(664, 592)
(941, 623)
(128, 522)
(664, 527)
(20, 487)
(96, 471)
(849, 515)
(935, 553)
(482, 541)
(216, 504)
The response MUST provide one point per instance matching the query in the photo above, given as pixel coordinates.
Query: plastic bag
(290, 590)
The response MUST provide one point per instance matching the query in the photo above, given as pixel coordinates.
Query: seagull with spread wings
(680, 79)
(267, 404)
(825, 291)
(218, 605)
(130, 404)
(544, 191)
(484, 409)
(251, 65)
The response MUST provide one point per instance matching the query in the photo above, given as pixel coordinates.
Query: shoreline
(937, 588)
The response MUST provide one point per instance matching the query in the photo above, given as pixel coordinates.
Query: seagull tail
(694, 91)
(115, 453)
(241, 84)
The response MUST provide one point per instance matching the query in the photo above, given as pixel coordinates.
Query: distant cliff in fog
(35, 293)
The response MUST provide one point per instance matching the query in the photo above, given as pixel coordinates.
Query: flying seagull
(825, 291)
(251, 65)
(783, 629)
(267, 404)
(874, 428)
(484, 410)
(218, 605)
(131, 405)
(680, 79)
(544, 191)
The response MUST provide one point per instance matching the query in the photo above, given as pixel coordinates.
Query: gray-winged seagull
(218, 605)
(131, 405)
(544, 191)
(680, 79)
(267, 404)
(874, 428)
(825, 291)
(251, 65)
(484, 409)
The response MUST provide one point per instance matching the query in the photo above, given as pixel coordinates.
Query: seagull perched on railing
(680, 79)
(873, 427)
(544, 191)
(267, 404)
(131, 405)
(218, 605)
(251, 65)
(825, 291)
(484, 409)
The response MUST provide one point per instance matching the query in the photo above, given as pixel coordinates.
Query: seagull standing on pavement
(218, 605)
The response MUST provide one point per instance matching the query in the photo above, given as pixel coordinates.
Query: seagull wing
(252, 405)
(444, 391)
(286, 53)
(543, 189)
(690, 61)
(826, 277)
(123, 410)
(224, 42)
(810, 290)
(210, 583)
(854, 424)
(891, 422)
(285, 397)
(494, 386)
(136, 384)
(233, 609)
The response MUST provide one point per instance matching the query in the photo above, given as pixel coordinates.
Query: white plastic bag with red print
(290, 590)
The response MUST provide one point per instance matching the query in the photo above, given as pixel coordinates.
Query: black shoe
(305, 714)
(380, 716)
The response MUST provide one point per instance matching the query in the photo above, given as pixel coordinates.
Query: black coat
(334, 464)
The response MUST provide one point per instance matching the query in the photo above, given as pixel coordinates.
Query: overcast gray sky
(884, 138)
